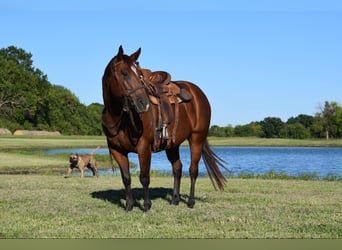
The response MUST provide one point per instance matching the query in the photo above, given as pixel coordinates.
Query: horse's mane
(106, 79)
(109, 69)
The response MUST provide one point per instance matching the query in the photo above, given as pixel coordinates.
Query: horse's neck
(115, 120)
(111, 120)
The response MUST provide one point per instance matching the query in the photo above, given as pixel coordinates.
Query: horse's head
(126, 82)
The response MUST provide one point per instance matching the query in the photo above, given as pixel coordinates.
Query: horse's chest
(121, 141)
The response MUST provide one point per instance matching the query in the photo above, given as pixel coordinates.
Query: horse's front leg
(123, 162)
(145, 164)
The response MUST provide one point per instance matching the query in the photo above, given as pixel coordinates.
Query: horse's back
(198, 109)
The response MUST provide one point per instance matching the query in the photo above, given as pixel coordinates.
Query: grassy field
(19, 154)
(45, 205)
(40, 206)
(27, 162)
(46, 142)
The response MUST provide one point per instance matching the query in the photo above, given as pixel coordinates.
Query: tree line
(29, 101)
(326, 123)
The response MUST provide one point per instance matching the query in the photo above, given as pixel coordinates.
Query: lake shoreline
(19, 154)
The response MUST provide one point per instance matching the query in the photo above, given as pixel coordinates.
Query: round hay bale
(5, 131)
(36, 133)
(20, 132)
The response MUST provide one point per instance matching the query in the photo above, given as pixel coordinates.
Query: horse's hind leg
(173, 157)
(196, 147)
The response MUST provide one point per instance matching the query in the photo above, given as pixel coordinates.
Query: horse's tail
(212, 163)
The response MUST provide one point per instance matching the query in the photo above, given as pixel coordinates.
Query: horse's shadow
(117, 197)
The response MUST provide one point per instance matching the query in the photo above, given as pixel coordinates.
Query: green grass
(36, 162)
(46, 142)
(19, 153)
(23, 162)
(273, 205)
(40, 206)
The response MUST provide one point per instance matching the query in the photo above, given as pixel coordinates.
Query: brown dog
(82, 162)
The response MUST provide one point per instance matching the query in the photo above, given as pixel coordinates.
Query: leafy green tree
(317, 129)
(17, 84)
(218, 131)
(29, 101)
(326, 113)
(251, 129)
(331, 118)
(271, 127)
(305, 120)
(95, 112)
(18, 56)
(295, 131)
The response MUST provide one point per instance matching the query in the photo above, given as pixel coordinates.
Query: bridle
(127, 103)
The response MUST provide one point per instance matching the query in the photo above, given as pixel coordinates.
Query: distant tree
(94, 111)
(243, 130)
(336, 121)
(295, 131)
(218, 131)
(271, 127)
(228, 131)
(215, 130)
(251, 129)
(317, 129)
(305, 120)
(327, 113)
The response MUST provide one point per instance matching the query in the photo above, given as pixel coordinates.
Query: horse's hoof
(129, 207)
(175, 202)
(191, 203)
(147, 206)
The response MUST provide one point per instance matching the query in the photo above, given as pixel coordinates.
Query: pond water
(252, 160)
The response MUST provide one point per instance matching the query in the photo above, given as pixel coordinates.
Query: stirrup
(164, 133)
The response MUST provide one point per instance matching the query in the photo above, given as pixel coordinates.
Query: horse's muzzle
(141, 104)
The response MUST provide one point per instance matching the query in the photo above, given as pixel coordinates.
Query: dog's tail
(92, 152)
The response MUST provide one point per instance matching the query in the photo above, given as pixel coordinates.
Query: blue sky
(253, 59)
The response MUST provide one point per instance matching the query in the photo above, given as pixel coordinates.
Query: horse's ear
(119, 56)
(135, 55)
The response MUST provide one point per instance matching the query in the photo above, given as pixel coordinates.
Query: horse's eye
(124, 73)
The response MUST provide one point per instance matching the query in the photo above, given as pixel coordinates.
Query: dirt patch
(43, 171)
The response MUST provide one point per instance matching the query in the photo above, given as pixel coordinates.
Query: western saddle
(164, 93)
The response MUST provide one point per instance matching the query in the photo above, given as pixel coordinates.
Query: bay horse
(127, 122)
